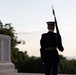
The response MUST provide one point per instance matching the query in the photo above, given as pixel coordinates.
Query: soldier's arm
(60, 46)
(42, 47)
(42, 41)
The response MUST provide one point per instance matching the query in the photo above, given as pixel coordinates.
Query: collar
(50, 31)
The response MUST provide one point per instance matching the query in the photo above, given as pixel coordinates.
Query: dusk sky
(29, 17)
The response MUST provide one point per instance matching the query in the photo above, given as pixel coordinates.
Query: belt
(50, 48)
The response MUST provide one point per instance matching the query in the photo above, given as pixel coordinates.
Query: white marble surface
(29, 74)
(5, 55)
(5, 48)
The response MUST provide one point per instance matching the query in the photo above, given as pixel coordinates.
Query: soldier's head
(51, 25)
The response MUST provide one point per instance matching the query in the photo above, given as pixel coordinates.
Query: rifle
(57, 29)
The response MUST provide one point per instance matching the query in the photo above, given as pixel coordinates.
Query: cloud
(30, 32)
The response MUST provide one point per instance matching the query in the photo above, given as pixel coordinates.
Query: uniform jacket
(50, 39)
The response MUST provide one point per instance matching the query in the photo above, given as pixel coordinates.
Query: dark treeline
(34, 65)
(24, 63)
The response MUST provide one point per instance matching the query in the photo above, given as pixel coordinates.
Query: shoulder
(58, 35)
(44, 34)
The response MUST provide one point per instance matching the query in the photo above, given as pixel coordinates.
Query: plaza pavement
(29, 74)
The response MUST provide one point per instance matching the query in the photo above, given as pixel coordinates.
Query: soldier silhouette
(49, 43)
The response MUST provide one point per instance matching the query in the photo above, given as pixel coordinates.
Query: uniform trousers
(51, 68)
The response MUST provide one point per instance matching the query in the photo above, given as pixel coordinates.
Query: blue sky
(29, 17)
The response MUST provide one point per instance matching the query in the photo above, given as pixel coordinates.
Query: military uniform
(49, 45)
(50, 42)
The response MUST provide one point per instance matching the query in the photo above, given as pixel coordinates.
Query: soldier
(49, 43)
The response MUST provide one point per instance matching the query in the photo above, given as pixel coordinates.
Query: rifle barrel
(57, 29)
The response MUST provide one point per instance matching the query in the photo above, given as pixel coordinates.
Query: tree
(7, 29)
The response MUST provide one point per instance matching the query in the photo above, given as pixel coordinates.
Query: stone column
(5, 54)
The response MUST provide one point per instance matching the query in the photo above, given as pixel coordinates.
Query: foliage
(7, 29)
(67, 66)
(33, 65)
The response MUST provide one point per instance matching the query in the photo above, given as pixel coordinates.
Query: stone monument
(5, 54)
